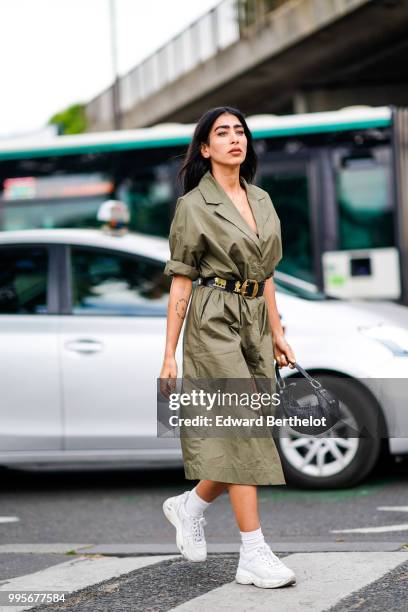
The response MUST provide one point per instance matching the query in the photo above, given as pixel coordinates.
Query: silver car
(82, 328)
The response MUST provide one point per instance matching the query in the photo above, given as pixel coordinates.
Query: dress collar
(213, 193)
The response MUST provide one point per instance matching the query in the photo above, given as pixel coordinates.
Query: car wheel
(337, 460)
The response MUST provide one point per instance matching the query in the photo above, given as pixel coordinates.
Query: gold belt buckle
(245, 285)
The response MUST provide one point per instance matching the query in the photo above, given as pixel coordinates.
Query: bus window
(148, 191)
(365, 212)
(287, 184)
(67, 190)
(55, 191)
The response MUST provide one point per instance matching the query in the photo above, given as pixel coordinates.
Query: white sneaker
(263, 568)
(190, 530)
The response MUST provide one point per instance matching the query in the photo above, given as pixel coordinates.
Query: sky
(54, 53)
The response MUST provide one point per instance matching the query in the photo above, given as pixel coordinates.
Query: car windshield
(300, 289)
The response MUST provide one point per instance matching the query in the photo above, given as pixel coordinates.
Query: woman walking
(226, 233)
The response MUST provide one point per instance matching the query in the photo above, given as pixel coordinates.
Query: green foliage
(71, 120)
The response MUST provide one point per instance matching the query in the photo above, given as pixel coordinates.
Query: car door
(30, 405)
(112, 346)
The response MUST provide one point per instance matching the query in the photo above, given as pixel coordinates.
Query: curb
(129, 550)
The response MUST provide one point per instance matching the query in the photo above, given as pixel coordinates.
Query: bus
(338, 181)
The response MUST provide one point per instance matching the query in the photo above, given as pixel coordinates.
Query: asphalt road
(115, 518)
(113, 507)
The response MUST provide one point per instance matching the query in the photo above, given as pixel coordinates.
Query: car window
(23, 280)
(110, 283)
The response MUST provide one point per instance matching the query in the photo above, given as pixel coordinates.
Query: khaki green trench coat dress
(226, 335)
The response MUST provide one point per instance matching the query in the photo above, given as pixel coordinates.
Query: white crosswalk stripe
(322, 580)
(75, 574)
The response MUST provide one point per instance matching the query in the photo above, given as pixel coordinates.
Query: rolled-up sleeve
(186, 243)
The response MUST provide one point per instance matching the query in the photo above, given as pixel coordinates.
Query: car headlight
(393, 338)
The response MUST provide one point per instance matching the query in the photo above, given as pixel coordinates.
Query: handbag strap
(281, 383)
(279, 379)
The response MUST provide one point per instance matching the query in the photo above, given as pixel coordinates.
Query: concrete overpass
(268, 56)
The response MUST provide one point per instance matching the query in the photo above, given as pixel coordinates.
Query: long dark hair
(195, 165)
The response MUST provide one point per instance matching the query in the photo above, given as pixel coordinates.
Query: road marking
(53, 547)
(380, 529)
(323, 579)
(145, 549)
(9, 519)
(393, 508)
(76, 574)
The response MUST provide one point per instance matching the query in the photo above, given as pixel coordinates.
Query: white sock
(252, 539)
(194, 504)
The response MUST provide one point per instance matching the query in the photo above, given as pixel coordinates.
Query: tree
(71, 120)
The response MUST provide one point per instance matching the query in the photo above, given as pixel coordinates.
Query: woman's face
(227, 142)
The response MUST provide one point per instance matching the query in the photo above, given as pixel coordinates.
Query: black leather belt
(250, 288)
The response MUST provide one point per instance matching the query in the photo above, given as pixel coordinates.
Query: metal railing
(221, 27)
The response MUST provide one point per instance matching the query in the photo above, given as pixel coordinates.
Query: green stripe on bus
(185, 140)
(316, 129)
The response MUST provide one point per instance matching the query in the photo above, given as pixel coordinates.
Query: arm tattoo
(181, 307)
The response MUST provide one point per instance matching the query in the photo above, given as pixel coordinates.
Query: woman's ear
(204, 150)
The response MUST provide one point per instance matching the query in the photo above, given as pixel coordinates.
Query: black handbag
(320, 407)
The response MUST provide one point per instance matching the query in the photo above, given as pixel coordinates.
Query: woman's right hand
(168, 376)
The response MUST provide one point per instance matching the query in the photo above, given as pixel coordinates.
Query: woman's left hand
(283, 352)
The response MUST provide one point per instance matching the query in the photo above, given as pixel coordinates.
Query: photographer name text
(259, 421)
